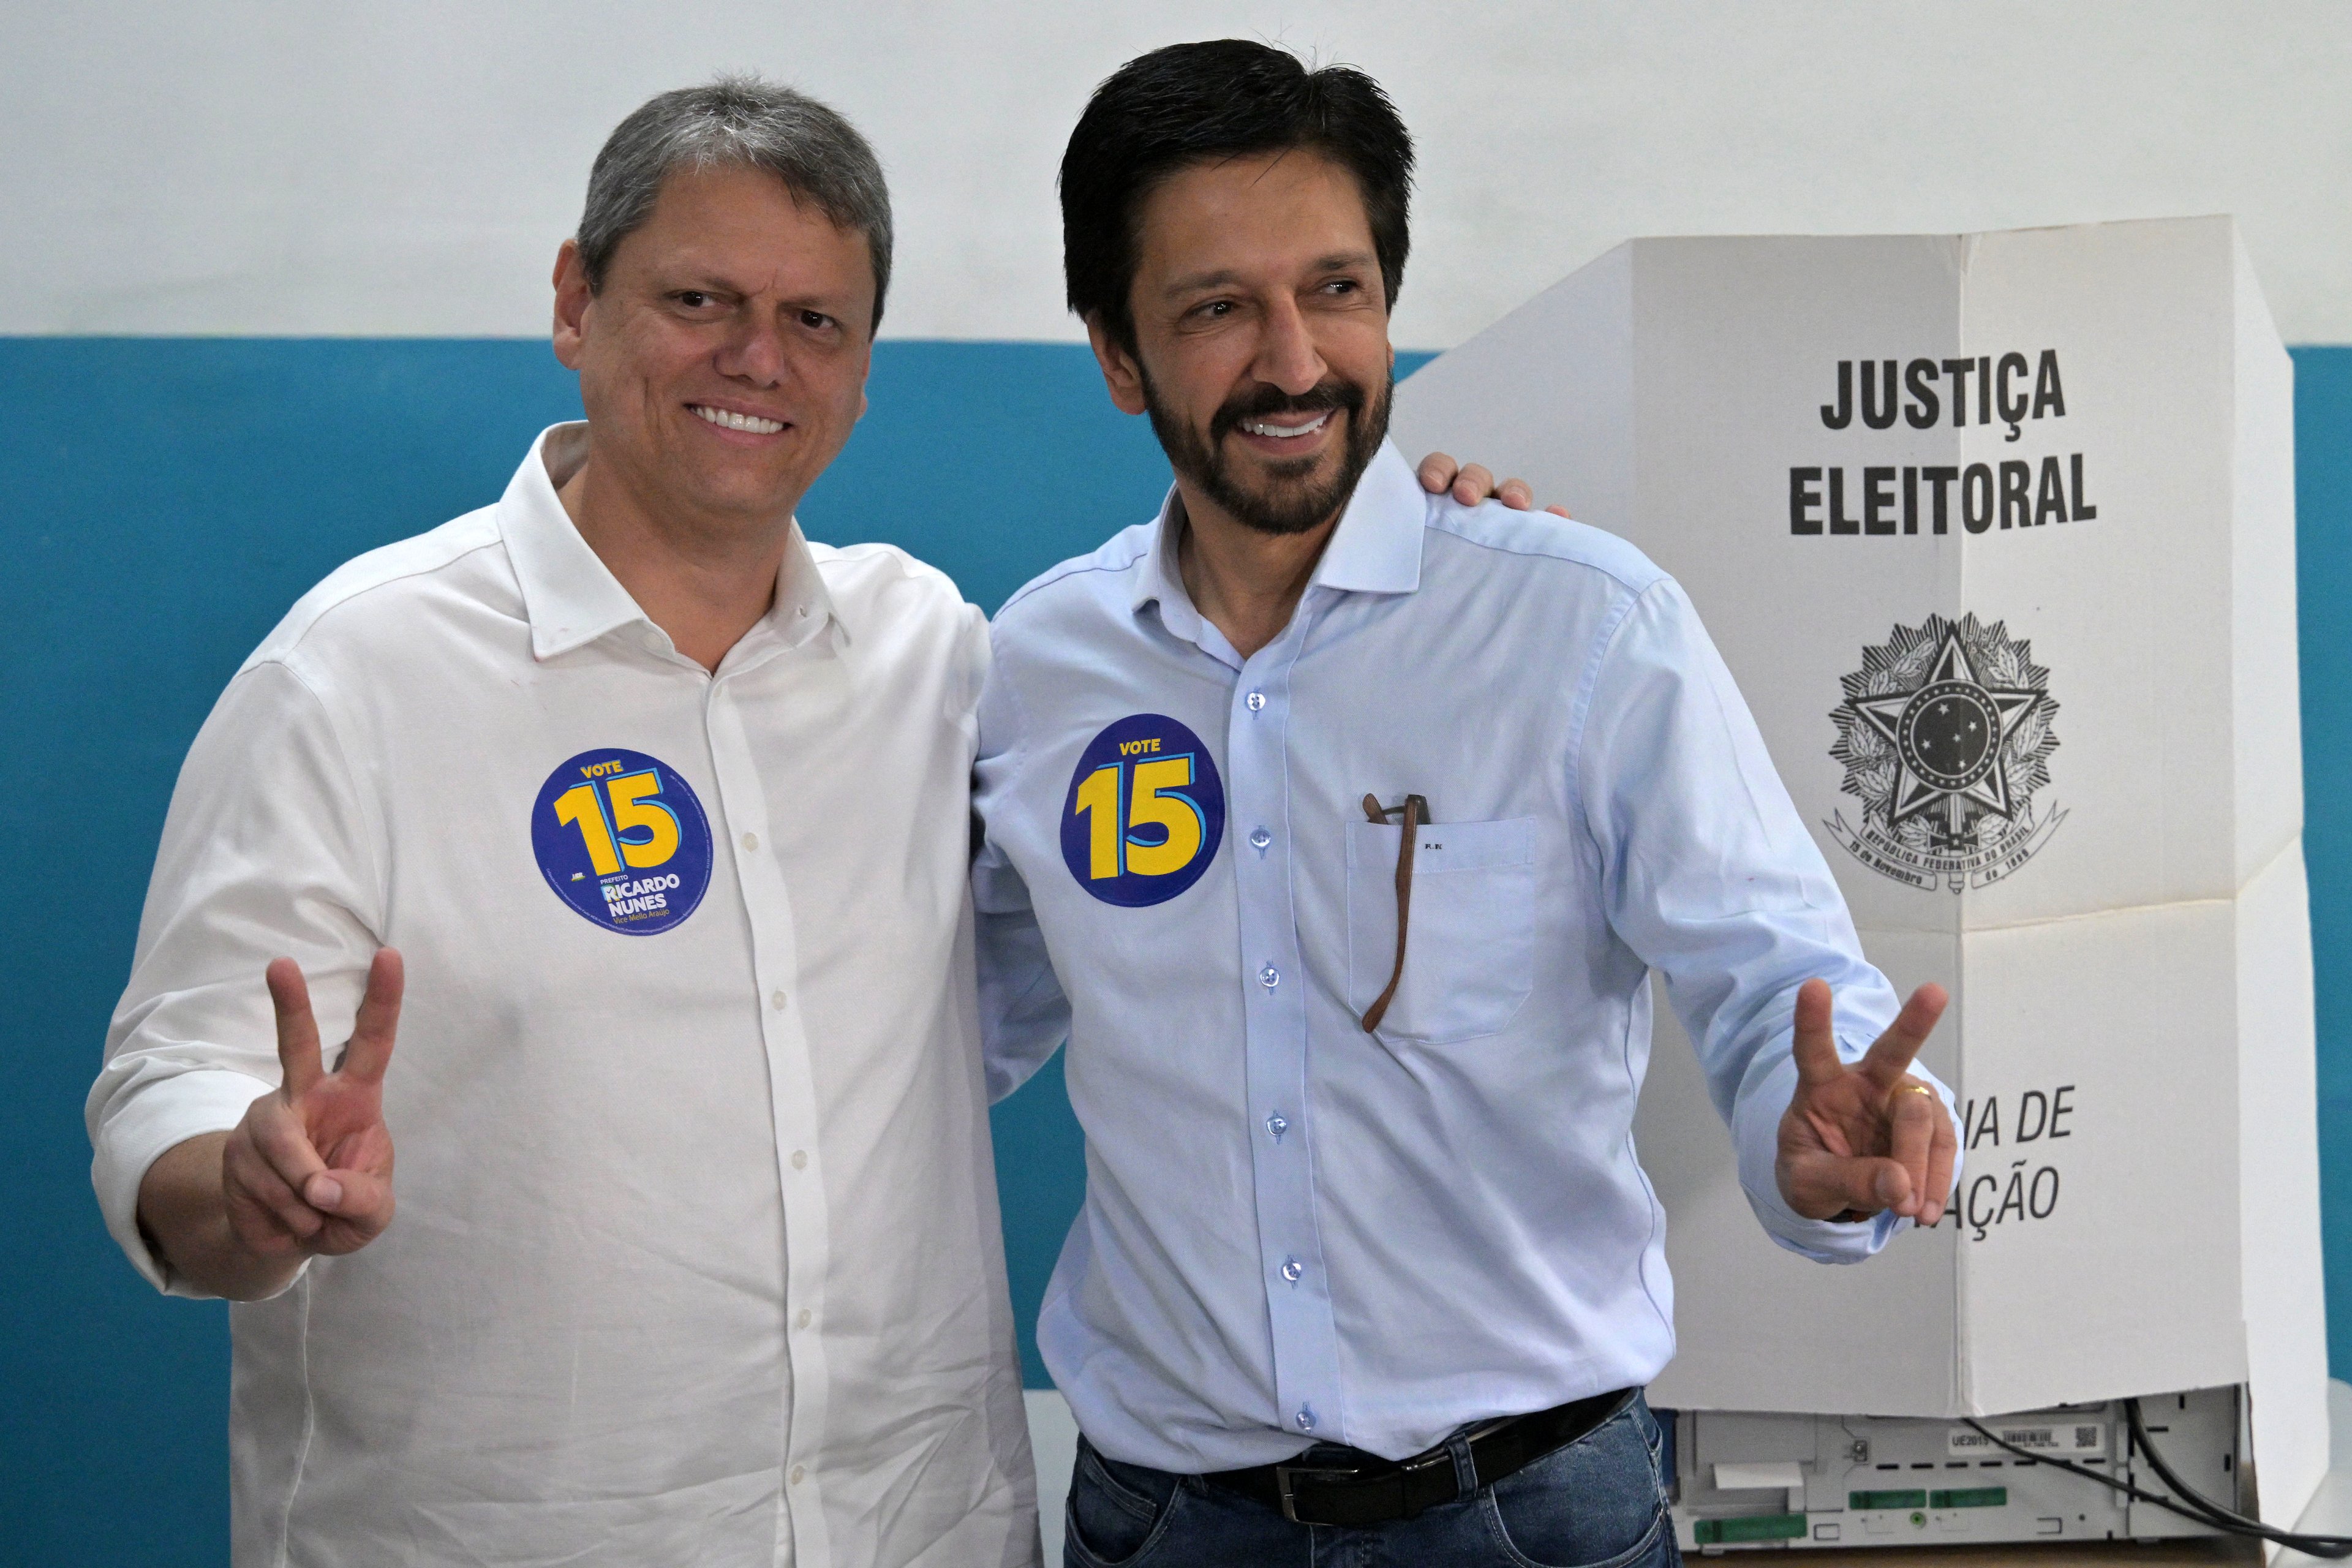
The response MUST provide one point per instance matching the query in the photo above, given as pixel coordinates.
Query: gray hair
(742, 121)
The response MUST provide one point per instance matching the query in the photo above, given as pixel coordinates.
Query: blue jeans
(1596, 1503)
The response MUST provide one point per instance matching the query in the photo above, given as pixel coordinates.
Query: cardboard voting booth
(1996, 532)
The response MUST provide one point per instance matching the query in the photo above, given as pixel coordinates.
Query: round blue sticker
(621, 838)
(1145, 814)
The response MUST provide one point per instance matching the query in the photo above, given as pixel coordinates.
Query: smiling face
(723, 362)
(1262, 349)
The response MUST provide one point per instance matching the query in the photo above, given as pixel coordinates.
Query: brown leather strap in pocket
(1416, 812)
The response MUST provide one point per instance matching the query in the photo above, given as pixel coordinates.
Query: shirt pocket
(1469, 959)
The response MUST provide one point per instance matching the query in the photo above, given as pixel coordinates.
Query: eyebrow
(1338, 261)
(707, 281)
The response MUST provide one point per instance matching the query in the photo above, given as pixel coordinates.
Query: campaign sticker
(621, 838)
(1145, 814)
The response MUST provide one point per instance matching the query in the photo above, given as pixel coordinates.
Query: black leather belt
(1357, 1489)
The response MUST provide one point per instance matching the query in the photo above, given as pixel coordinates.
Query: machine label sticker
(621, 838)
(2063, 1438)
(1145, 812)
(1945, 736)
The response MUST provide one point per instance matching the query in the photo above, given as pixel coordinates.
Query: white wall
(409, 168)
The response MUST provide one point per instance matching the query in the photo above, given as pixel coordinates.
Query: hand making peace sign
(1872, 1136)
(310, 1168)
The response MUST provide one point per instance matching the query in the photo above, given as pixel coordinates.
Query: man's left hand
(1873, 1136)
(1472, 483)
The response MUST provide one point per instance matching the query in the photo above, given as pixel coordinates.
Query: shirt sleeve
(268, 851)
(1711, 879)
(1023, 1014)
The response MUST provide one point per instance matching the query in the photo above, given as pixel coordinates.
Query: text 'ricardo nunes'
(2008, 390)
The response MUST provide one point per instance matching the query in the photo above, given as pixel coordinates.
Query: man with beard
(1339, 827)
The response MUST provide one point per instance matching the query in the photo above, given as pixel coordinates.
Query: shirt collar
(1376, 549)
(573, 598)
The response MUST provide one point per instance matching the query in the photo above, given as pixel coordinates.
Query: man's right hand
(307, 1170)
(310, 1168)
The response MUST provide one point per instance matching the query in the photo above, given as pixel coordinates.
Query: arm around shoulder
(1023, 1014)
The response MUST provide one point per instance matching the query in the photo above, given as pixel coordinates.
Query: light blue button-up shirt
(1297, 1232)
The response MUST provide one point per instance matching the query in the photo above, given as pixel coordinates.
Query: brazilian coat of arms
(1945, 734)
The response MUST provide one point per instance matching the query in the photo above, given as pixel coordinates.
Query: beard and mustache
(1291, 500)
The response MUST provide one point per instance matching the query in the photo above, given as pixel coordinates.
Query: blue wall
(161, 501)
(2323, 494)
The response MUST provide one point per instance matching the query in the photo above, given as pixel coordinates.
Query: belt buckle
(1283, 1475)
(1282, 1479)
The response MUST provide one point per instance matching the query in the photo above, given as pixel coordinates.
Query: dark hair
(1195, 103)
(740, 121)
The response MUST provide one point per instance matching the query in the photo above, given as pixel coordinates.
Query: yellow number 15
(635, 808)
(1152, 801)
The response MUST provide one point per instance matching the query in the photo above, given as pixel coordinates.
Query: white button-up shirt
(1295, 1231)
(697, 1256)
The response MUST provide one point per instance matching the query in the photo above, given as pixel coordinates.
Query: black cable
(2110, 1482)
(2227, 1519)
(2332, 1546)
(2192, 1506)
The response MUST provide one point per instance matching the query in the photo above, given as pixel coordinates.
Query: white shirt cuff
(140, 1125)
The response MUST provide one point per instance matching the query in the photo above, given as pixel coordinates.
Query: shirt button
(1260, 838)
(800, 1474)
(1256, 700)
(802, 1321)
(1277, 1124)
(1305, 1419)
(802, 613)
(1270, 977)
(776, 1000)
(1291, 1269)
(652, 642)
(800, 1159)
(750, 841)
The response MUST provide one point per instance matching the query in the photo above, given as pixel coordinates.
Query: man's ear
(573, 297)
(1122, 377)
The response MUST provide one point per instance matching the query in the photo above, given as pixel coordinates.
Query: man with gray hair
(660, 811)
